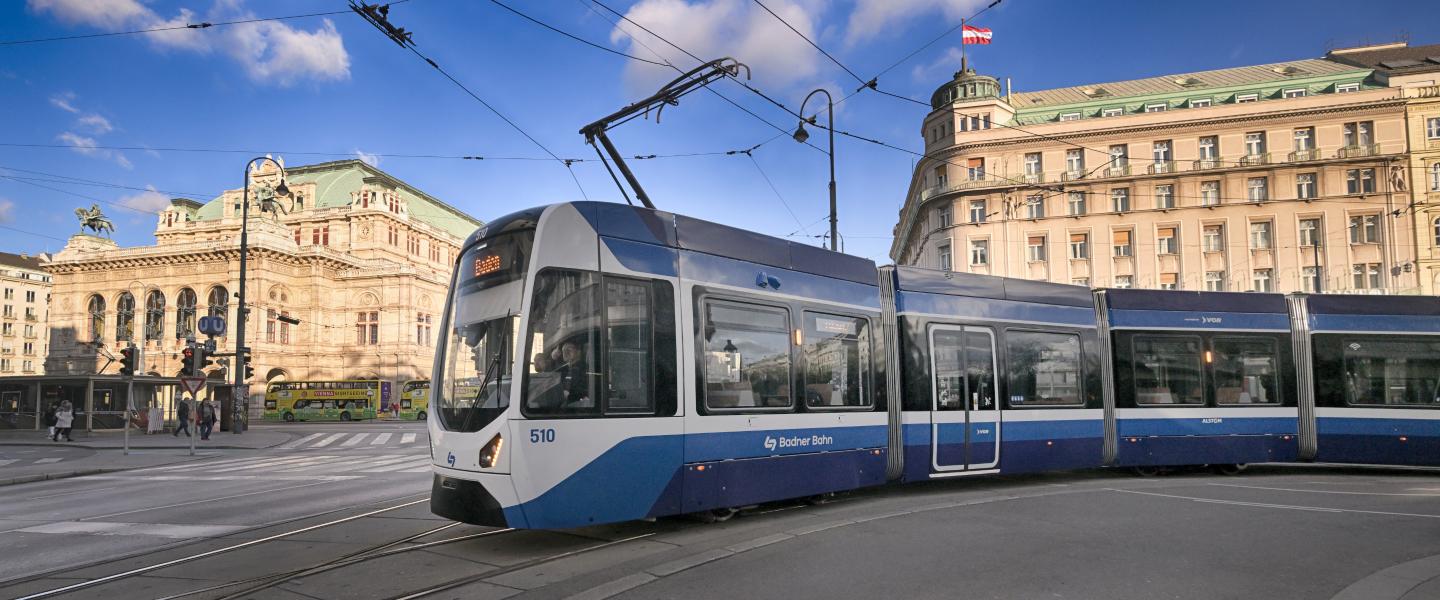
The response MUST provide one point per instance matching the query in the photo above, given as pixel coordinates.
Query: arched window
(185, 314)
(219, 305)
(1435, 177)
(125, 318)
(97, 318)
(154, 315)
(1437, 232)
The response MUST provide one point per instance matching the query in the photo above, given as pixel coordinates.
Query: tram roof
(1187, 301)
(1355, 304)
(936, 281)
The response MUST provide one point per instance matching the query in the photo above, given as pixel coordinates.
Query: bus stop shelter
(99, 401)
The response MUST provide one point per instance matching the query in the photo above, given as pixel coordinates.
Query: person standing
(50, 420)
(64, 417)
(182, 418)
(207, 419)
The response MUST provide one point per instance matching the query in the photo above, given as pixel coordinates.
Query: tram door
(964, 416)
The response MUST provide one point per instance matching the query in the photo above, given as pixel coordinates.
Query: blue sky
(335, 85)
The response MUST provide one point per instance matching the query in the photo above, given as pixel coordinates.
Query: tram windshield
(479, 340)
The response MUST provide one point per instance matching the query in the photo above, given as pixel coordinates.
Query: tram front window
(562, 375)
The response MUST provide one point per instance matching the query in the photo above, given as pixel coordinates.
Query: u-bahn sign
(212, 325)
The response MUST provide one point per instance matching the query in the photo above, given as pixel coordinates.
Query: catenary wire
(574, 37)
(809, 41)
(200, 25)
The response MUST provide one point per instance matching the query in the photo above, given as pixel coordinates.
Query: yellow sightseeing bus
(414, 400)
(325, 400)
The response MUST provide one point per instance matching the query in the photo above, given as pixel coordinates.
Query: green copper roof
(335, 180)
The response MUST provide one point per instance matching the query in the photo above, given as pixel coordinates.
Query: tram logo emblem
(450, 459)
(770, 443)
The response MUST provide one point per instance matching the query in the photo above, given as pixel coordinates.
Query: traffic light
(242, 360)
(187, 362)
(128, 360)
(202, 357)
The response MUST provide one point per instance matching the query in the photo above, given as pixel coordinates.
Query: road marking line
(355, 439)
(46, 461)
(1257, 487)
(286, 463)
(614, 588)
(414, 462)
(327, 441)
(297, 443)
(424, 469)
(6, 462)
(202, 501)
(353, 465)
(407, 438)
(381, 439)
(74, 492)
(227, 477)
(151, 529)
(1284, 506)
(191, 464)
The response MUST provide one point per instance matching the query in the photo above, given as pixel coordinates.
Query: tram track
(478, 577)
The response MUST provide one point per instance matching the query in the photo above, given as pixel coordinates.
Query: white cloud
(716, 28)
(872, 17)
(947, 64)
(63, 101)
(270, 52)
(7, 211)
(367, 158)
(147, 201)
(95, 124)
(89, 147)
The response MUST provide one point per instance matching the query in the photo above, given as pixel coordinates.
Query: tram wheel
(1229, 469)
(715, 515)
(344, 416)
(1148, 471)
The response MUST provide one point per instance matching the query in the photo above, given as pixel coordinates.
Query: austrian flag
(975, 35)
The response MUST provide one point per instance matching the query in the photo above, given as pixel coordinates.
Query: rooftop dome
(967, 85)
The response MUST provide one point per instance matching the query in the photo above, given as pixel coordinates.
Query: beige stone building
(361, 258)
(24, 314)
(1277, 177)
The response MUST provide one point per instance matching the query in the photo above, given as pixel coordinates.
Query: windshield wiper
(495, 368)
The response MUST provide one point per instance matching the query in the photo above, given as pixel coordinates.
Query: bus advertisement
(414, 402)
(325, 400)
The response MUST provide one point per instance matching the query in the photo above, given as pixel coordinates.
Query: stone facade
(24, 315)
(362, 259)
(1282, 177)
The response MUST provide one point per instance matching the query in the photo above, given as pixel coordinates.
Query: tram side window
(837, 361)
(1392, 372)
(1246, 371)
(564, 327)
(1044, 369)
(1167, 371)
(629, 352)
(747, 357)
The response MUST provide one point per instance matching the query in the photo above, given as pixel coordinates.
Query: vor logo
(771, 443)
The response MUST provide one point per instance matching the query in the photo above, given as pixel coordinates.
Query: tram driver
(574, 376)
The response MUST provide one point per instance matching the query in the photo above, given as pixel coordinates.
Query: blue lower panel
(1379, 441)
(635, 479)
(748, 481)
(1045, 455)
(1206, 450)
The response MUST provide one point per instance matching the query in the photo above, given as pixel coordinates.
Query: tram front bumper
(466, 501)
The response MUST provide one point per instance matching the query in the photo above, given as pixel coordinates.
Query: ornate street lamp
(237, 417)
(801, 135)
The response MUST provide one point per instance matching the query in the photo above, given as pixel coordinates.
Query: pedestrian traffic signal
(128, 361)
(202, 358)
(187, 362)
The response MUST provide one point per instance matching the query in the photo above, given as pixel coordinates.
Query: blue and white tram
(606, 363)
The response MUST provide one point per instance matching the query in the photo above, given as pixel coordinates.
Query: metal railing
(1205, 163)
(1117, 171)
(1304, 155)
(1033, 178)
(1262, 158)
(1358, 151)
(1167, 166)
(1072, 175)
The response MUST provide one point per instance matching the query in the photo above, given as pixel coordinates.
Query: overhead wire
(809, 41)
(195, 26)
(574, 37)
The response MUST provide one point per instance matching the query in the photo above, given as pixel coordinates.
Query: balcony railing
(1117, 171)
(1072, 175)
(1033, 178)
(1304, 155)
(1358, 151)
(32, 318)
(1205, 163)
(1262, 158)
(1167, 166)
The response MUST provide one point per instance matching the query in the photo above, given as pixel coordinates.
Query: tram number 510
(542, 436)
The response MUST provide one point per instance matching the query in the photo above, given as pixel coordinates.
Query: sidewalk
(253, 439)
(105, 461)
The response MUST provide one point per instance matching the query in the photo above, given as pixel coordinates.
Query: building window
(1075, 161)
(1035, 207)
(96, 308)
(979, 252)
(270, 324)
(1242, 98)
(1149, 108)
(1432, 128)
(1124, 282)
(1435, 177)
(1209, 193)
(1209, 148)
(1121, 243)
(1295, 93)
(1257, 189)
(977, 211)
(1074, 116)
(1358, 133)
(29, 296)
(314, 236)
(1437, 233)
(1035, 249)
(154, 315)
(1214, 281)
(1360, 181)
(1080, 281)
(1164, 196)
(1260, 281)
(1119, 155)
(124, 318)
(1343, 88)
(1080, 246)
(219, 305)
(1166, 242)
(1305, 186)
(1304, 139)
(975, 169)
(423, 328)
(185, 313)
(1366, 276)
(1255, 143)
(1199, 102)
(1032, 164)
(1162, 151)
(1213, 238)
(297, 236)
(946, 262)
(1365, 229)
(1077, 203)
(1260, 235)
(1120, 200)
(1309, 232)
(942, 217)
(325, 235)
(367, 328)
(1169, 281)
(1309, 279)
(1112, 112)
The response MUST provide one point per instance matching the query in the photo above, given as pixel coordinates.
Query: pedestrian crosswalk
(300, 467)
(348, 439)
(6, 462)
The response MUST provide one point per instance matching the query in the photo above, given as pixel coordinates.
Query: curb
(186, 447)
(64, 475)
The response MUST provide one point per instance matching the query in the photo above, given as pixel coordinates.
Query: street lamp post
(801, 135)
(241, 352)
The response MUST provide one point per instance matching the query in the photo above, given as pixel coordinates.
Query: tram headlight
(490, 454)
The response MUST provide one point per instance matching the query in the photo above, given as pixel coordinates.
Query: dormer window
(1242, 98)
(1073, 116)
(1112, 112)
(1199, 102)
(1341, 88)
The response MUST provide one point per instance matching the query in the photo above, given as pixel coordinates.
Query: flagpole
(962, 44)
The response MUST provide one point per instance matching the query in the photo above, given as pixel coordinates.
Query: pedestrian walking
(50, 420)
(182, 418)
(64, 417)
(207, 419)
